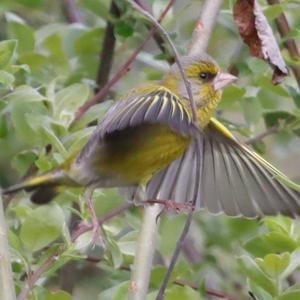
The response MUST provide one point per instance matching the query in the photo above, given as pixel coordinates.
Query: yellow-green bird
(147, 144)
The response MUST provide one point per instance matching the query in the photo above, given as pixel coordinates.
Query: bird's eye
(204, 75)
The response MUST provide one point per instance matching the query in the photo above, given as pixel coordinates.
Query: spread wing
(157, 106)
(224, 176)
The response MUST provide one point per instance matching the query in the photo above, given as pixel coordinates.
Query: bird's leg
(97, 228)
(169, 206)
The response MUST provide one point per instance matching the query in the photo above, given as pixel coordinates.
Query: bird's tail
(45, 186)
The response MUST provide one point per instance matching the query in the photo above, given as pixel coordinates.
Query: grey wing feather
(158, 106)
(225, 177)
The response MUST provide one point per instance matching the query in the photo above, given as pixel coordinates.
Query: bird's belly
(134, 155)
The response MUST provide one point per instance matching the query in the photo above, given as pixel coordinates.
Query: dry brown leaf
(258, 35)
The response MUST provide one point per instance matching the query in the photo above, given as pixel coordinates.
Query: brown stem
(269, 131)
(211, 292)
(107, 54)
(71, 11)
(33, 278)
(290, 44)
(121, 72)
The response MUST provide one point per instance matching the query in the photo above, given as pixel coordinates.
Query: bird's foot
(98, 232)
(170, 206)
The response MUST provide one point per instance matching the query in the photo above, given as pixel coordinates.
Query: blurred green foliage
(47, 71)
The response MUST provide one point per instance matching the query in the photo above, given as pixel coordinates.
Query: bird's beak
(223, 79)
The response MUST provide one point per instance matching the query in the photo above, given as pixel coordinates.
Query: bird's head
(205, 78)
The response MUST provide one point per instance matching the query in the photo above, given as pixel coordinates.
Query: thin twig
(211, 292)
(121, 72)
(290, 44)
(161, 293)
(260, 136)
(7, 289)
(204, 27)
(114, 212)
(107, 53)
(176, 56)
(72, 12)
(32, 278)
(156, 36)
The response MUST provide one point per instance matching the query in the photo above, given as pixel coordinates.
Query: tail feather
(45, 186)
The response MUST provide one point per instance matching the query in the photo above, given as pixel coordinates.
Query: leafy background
(48, 69)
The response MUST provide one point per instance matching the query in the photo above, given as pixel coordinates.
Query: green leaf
(88, 43)
(252, 110)
(273, 242)
(3, 126)
(6, 80)
(265, 82)
(176, 292)
(116, 255)
(259, 293)
(31, 3)
(23, 33)
(274, 264)
(7, 50)
(295, 95)
(42, 226)
(275, 118)
(118, 292)
(280, 224)
(124, 29)
(23, 161)
(54, 140)
(68, 100)
(127, 243)
(273, 11)
(257, 66)
(254, 273)
(290, 295)
(58, 295)
(260, 147)
(94, 113)
(26, 103)
(231, 97)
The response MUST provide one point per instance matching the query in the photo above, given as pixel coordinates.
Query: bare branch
(7, 289)
(290, 44)
(72, 13)
(107, 54)
(208, 291)
(269, 131)
(204, 27)
(121, 72)
(144, 253)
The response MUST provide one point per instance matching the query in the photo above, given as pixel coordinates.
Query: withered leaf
(258, 35)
